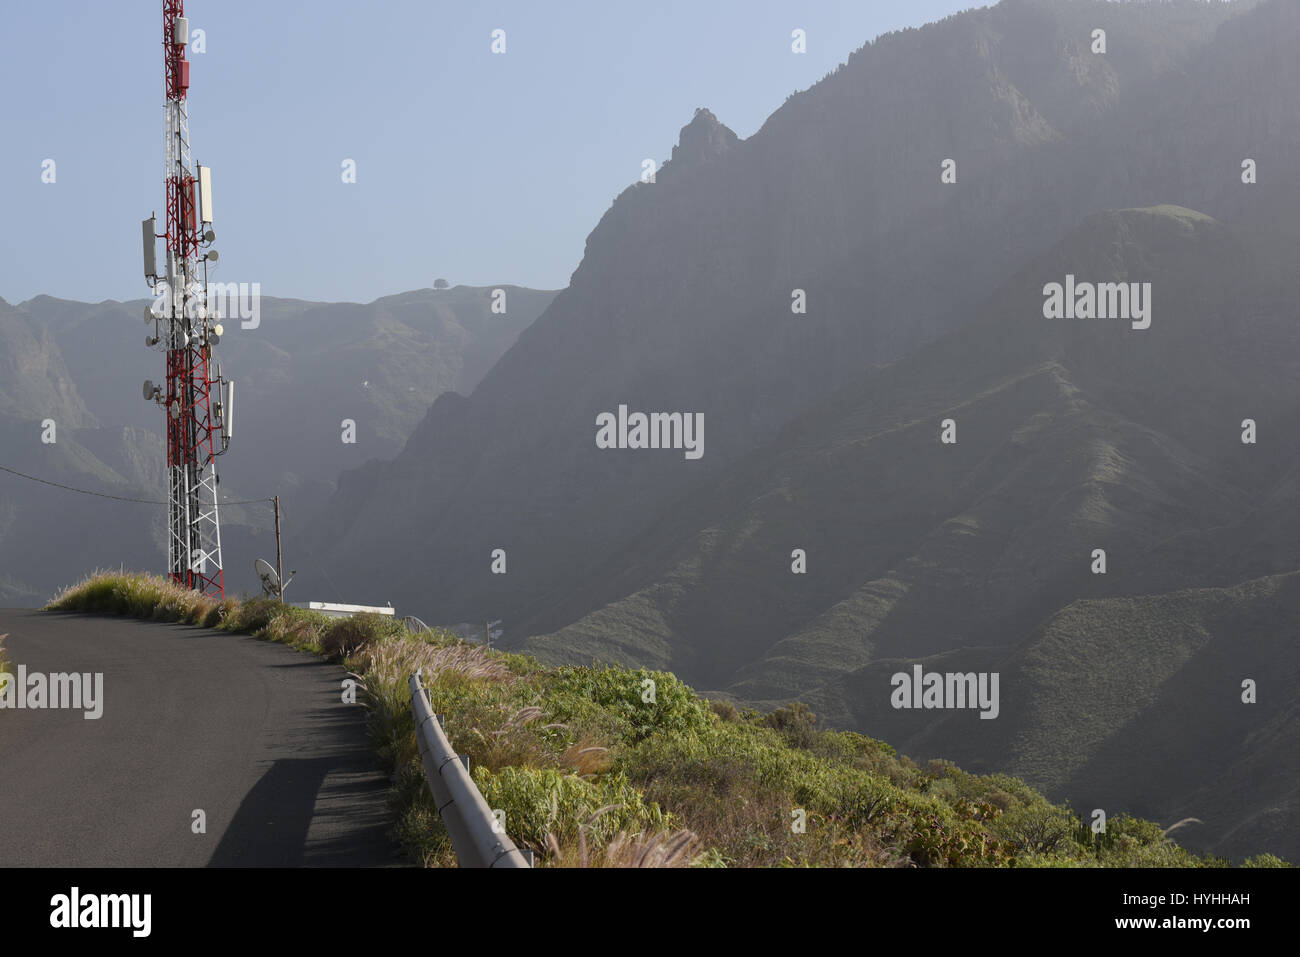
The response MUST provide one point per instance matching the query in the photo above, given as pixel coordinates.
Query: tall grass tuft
(680, 848)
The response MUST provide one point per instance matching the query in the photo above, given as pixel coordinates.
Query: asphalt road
(252, 733)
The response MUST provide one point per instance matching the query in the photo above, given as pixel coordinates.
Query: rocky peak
(703, 137)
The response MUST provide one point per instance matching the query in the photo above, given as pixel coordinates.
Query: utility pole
(279, 562)
(198, 429)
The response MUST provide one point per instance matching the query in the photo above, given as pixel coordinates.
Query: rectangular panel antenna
(205, 194)
(148, 231)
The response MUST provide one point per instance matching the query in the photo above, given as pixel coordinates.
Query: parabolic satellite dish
(270, 580)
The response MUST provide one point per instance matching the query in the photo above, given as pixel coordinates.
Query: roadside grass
(615, 767)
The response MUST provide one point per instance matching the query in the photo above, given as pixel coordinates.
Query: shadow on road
(270, 828)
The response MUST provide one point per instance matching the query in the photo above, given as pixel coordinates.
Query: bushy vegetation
(620, 767)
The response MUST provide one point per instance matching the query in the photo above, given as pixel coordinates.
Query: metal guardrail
(469, 821)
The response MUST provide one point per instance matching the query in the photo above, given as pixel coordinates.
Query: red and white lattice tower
(198, 429)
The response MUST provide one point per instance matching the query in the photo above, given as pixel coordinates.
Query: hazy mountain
(300, 371)
(683, 299)
(1072, 435)
(925, 302)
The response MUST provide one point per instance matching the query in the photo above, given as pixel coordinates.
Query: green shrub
(937, 835)
(615, 702)
(542, 801)
(861, 800)
(1036, 829)
(797, 724)
(724, 709)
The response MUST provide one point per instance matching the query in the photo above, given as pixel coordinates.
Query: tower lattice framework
(197, 428)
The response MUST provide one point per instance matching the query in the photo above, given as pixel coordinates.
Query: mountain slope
(683, 298)
(301, 368)
(1136, 704)
(1072, 435)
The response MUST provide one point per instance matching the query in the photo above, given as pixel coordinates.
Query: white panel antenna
(204, 195)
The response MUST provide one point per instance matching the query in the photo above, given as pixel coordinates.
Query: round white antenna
(148, 390)
(270, 580)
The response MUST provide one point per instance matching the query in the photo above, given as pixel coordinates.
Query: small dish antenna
(270, 580)
(271, 586)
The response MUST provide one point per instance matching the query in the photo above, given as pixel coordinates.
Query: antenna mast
(198, 430)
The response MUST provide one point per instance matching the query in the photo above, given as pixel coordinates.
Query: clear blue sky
(476, 167)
